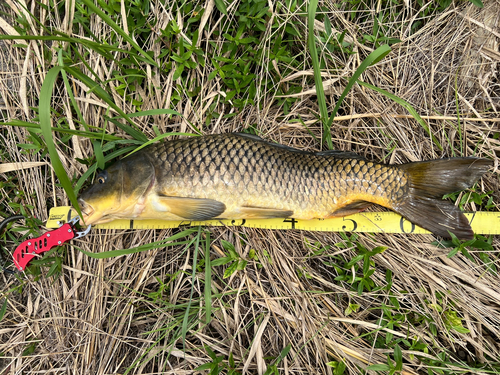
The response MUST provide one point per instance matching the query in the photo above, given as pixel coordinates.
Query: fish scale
(250, 170)
(240, 176)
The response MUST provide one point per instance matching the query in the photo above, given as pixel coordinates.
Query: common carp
(242, 176)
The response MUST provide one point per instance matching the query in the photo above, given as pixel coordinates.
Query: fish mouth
(87, 213)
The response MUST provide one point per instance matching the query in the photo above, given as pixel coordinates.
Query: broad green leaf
(178, 71)
(206, 366)
(460, 329)
(221, 261)
(477, 3)
(340, 370)
(479, 244)
(228, 246)
(242, 264)
(354, 260)
(230, 270)
(398, 357)
(378, 250)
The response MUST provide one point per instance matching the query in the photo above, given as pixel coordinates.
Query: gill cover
(117, 190)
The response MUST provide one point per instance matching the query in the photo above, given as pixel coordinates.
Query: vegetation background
(83, 82)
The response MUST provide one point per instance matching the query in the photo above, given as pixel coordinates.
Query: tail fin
(428, 182)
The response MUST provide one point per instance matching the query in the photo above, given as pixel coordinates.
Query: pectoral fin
(351, 208)
(263, 213)
(197, 209)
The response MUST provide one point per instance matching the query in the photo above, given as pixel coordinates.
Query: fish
(242, 176)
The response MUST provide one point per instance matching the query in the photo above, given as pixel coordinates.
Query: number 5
(354, 225)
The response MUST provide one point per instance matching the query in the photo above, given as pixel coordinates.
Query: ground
(237, 300)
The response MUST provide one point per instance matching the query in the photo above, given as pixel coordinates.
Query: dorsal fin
(250, 136)
(340, 154)
(334, 153)
(257, 138)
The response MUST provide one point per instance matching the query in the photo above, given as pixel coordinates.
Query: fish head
(119, 191)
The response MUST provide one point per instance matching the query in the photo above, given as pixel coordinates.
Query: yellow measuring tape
(373, 222)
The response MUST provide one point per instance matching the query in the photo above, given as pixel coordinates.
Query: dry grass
(103, 316)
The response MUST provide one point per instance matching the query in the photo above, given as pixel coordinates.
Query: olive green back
(234, 167)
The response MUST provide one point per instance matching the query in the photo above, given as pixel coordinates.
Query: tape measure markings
(373, 222)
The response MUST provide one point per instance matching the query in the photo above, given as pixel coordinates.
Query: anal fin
(351, 208)
(197, 209)
(250, 212)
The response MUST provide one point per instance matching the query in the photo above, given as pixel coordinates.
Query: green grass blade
(3, 309)
(160, 137)
(459, 124)
(45, 126)
(320, 92)
(154, 245)
(193, 279)
(208, 281)
(138, 249)
(99, 155)
(109, 21)
(70, 91)
(53, 38)
(101, 93)
(408, 107)
(136, 134)
(102, 49)
(371, 59)
(80, 133)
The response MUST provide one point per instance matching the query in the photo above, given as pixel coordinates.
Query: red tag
(29, 248)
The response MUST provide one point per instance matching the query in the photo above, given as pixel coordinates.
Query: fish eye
(102, 177)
